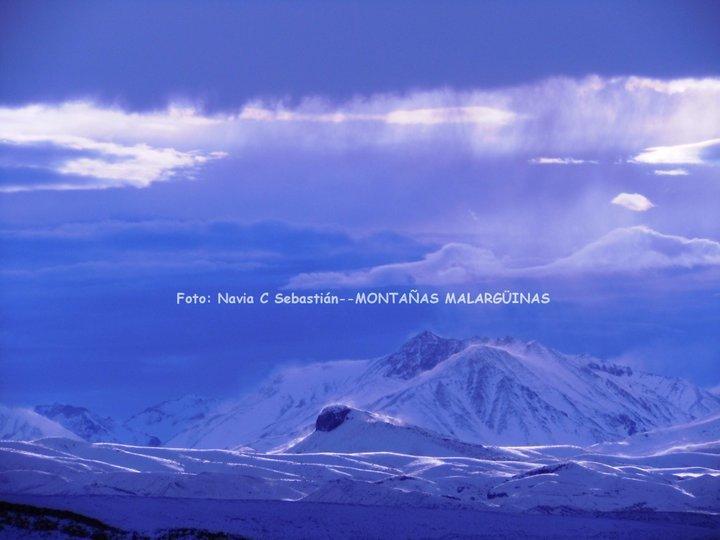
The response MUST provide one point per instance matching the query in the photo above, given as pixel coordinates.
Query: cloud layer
(556, 117)
(451, 264)
(623, 250)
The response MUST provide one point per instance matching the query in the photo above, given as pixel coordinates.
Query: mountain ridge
(478, 390)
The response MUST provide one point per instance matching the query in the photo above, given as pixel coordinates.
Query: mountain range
(480, 391)
(153, 426)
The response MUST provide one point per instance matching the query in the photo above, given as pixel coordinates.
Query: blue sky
(146, 148)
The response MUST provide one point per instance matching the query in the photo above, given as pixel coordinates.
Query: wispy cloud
(452, 264)
(670, 172)
(562, 161)
(117, 165)
(83, 128)
(426, 116)
(633, 201)
(623, 250)
(673, 86)
(639, 248)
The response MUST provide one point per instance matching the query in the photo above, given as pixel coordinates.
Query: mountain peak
(426, 335)
(421, 353)
(80, 421)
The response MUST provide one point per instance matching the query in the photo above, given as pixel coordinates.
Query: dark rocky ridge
(331, 417)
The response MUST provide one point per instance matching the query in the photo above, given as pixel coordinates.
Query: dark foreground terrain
(33, 516)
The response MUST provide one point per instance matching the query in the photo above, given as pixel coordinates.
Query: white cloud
(426, 116)
(673, 86)
(452, 264)
(556, 119)
(451, 115)
(561, 161)
(110, 164)
(687, 154)
(670, 172)
(639, 248)
(633, 201)
(625, 250)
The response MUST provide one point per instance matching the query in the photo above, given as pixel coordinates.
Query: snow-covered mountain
(283, 409)
(161, 422)
(339, 428)
(479, 390)
(151, 427)
(512, 392)
(82, 422)
(25, 425)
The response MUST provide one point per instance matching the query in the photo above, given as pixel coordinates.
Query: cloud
(700, 153)
(637, 249)
(633, 201)
(427, 116)
(670, 172)
(624, 250)
(157, 248)
(563, 117)
(453, 263)
(83, 128)
(116, 165)
(561, 161)
(276, 250)
(673, 86)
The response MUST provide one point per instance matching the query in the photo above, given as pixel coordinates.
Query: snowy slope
(508, 392)
(284, 408)
(342, 429)
(702, 435)
(477, 390)
(592, 486)
(26, 425)
(165, 420)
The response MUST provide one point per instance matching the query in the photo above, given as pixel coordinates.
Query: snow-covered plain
(416, 469)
